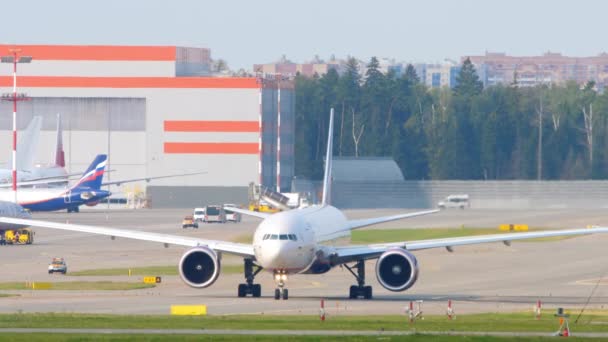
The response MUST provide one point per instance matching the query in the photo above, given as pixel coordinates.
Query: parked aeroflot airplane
(299, 242)
(86, 190)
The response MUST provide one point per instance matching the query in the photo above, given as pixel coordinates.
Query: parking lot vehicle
(215, 213)
(189, 221)
(199, 214)
(455, 201)
(231, 216)
(58, 265)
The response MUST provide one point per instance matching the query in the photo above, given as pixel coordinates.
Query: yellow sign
(513, 227)
(189, 310)
(152, 280)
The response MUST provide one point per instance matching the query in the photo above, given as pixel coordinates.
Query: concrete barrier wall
(410, 194)
(483, 194)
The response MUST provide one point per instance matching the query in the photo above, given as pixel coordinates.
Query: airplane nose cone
(275, 255)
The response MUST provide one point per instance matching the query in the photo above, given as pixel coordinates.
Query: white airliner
(27, 171)
(299, 241)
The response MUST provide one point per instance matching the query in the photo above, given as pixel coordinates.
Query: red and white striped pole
(15, 124)
(322, 310)
(14, 98)
(450, 310)
(279, 133)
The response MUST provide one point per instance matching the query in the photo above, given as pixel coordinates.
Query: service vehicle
(199, 214)
(215, 213)
(58, 265)
(189, 221)
(455, 201)
(21, 236)
(231, 216)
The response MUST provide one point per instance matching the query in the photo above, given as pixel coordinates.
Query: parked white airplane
(299, 242)
(27, 170)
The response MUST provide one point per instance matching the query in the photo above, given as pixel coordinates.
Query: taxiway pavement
(482, 278)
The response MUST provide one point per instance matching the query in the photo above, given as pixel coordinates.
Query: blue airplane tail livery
(93, 176)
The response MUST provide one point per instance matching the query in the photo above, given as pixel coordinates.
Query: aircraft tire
(257, 290)
(242, 291)
(367, 292)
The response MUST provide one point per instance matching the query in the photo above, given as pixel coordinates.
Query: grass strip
(80, 286)
(393, 235)
(26, 337)
(504, 322)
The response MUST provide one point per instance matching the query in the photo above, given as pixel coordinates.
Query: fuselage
(36, 172)
(292, 241)
(9, 209)
(52, 199)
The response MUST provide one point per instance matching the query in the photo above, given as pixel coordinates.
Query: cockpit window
(274, 237)
(293, 237)
(284, 237)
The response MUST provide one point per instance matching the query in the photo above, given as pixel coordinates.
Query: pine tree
(467, 81)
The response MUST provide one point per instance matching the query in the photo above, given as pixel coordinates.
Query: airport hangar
(156, 111)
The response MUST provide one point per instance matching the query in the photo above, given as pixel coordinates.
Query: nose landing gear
(280, 292)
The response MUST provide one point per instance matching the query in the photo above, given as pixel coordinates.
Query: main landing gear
(73, 209)
(249, 288)
(281, 291)
(359, 290)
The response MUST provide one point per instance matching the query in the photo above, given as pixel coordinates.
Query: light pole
(13, 58)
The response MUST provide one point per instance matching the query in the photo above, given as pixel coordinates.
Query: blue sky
(248, 32)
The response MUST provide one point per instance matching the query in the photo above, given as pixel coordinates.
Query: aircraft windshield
(291, 237)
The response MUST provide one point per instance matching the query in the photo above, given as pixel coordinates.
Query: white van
(199, 214)
(455, 201)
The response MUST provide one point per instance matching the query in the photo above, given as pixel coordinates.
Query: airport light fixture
(15, 59)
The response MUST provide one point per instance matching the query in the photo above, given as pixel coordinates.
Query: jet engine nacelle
(397, 270)
(199, 267)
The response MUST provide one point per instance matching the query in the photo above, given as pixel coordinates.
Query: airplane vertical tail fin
(59, 153)
(27, 145)
(93, 176)
(328, 161)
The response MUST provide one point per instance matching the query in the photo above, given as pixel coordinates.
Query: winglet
(59, 154)
(328, 161)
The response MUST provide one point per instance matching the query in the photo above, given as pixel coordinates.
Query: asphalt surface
(482, 278)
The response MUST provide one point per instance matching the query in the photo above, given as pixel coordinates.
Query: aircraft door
(67, 197)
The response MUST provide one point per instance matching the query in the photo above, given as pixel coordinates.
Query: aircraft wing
(353, 253)
(147, 179)
(354, 224)
(248, 212)
(240, 249)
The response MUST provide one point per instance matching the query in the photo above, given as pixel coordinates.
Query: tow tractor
(21, 236)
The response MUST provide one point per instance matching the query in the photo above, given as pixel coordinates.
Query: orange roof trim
(94, 52)
(212, 126)
(211, 148)
(129, 82)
